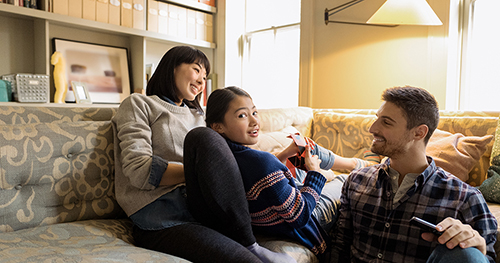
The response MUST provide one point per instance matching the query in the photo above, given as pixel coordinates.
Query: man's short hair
(418, 105)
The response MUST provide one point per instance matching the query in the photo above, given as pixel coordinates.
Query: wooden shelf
(194, 5)
(62, 105)
(74, 22)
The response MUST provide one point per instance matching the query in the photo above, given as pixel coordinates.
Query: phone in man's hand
(426, 226)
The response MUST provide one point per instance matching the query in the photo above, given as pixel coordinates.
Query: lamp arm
(342, 7)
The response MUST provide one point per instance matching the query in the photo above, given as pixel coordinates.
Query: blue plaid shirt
(371, 229)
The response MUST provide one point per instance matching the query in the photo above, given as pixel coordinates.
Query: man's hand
(456, 233)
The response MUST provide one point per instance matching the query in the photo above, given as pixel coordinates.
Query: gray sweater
(147, 128)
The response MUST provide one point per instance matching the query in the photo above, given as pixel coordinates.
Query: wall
(348, 66)
(16, 60)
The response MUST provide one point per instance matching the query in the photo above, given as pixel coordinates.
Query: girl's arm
(284, 201)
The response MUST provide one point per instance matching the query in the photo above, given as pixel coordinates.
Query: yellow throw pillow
(456, 153)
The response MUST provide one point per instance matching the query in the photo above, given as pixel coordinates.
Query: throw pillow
(274, 141)
(456, 153)
(496, 145)
(490, 188)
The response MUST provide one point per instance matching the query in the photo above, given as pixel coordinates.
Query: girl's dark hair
(418, 105)
(162, 83)
(218, 103)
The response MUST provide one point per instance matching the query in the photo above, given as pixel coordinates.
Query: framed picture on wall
(103, 69)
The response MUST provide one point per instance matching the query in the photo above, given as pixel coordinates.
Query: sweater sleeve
(133, 132)
(277, 199)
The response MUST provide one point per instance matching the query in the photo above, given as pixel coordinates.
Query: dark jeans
(216, 198)
(215, 192)
(195, 243)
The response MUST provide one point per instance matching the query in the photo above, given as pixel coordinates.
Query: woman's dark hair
(418, 105)
(162, 83)
(218, 103)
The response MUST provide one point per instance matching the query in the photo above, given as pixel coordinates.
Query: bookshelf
(26, 40)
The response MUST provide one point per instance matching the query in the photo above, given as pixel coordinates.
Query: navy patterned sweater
(276, 205)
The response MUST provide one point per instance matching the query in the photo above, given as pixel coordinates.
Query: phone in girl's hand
(299, 141)
(426, 226)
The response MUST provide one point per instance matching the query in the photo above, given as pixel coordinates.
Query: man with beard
(378, 202)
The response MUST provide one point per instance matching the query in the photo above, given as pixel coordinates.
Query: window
(271, 52)
(480, 72)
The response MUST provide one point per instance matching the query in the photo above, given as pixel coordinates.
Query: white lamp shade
(405, 12)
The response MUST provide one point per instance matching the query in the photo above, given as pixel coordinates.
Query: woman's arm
(173, 175)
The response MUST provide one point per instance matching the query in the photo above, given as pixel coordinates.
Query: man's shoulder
(366, 173)
(443, 179)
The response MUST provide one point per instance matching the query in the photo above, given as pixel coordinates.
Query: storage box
(102, 11)
(114, 12)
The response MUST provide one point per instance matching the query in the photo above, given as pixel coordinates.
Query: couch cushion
(284, 245)
(56, 172)
(457, 153)
(274, 141)
(343, 133)
(39, 114)
(278, 119)
(472, 124)
(84, 241)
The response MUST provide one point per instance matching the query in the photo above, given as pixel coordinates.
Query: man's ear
(218, 127)
(421, 131)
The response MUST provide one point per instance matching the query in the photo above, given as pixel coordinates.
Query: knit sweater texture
(149, 133)
(276, 204)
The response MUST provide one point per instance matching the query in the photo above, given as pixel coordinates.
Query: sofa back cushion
(279, 119)
(36, 114)
(56, 172)
(345, 132)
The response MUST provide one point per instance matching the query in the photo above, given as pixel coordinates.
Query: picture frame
(104, 70)
(81, 92)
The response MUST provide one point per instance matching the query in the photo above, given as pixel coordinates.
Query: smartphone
(426, 226)
(299, 141)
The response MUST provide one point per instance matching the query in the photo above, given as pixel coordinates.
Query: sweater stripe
(289, 211)
(264, 183)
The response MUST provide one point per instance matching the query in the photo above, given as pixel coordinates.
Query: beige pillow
(456, 153)
(274, 141)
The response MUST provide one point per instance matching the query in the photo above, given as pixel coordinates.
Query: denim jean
(442, 254)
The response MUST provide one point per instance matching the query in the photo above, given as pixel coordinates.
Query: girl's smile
(241, 122)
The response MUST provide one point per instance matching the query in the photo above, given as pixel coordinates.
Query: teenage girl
(276, 204)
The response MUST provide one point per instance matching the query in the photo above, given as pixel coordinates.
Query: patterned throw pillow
(490, 188)
(496, 145)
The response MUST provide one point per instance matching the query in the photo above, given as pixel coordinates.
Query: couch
(57, 200)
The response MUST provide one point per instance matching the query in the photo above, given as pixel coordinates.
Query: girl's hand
(288, 152)
(311, 161)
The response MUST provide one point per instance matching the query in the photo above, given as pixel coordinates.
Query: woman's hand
(311, 161)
